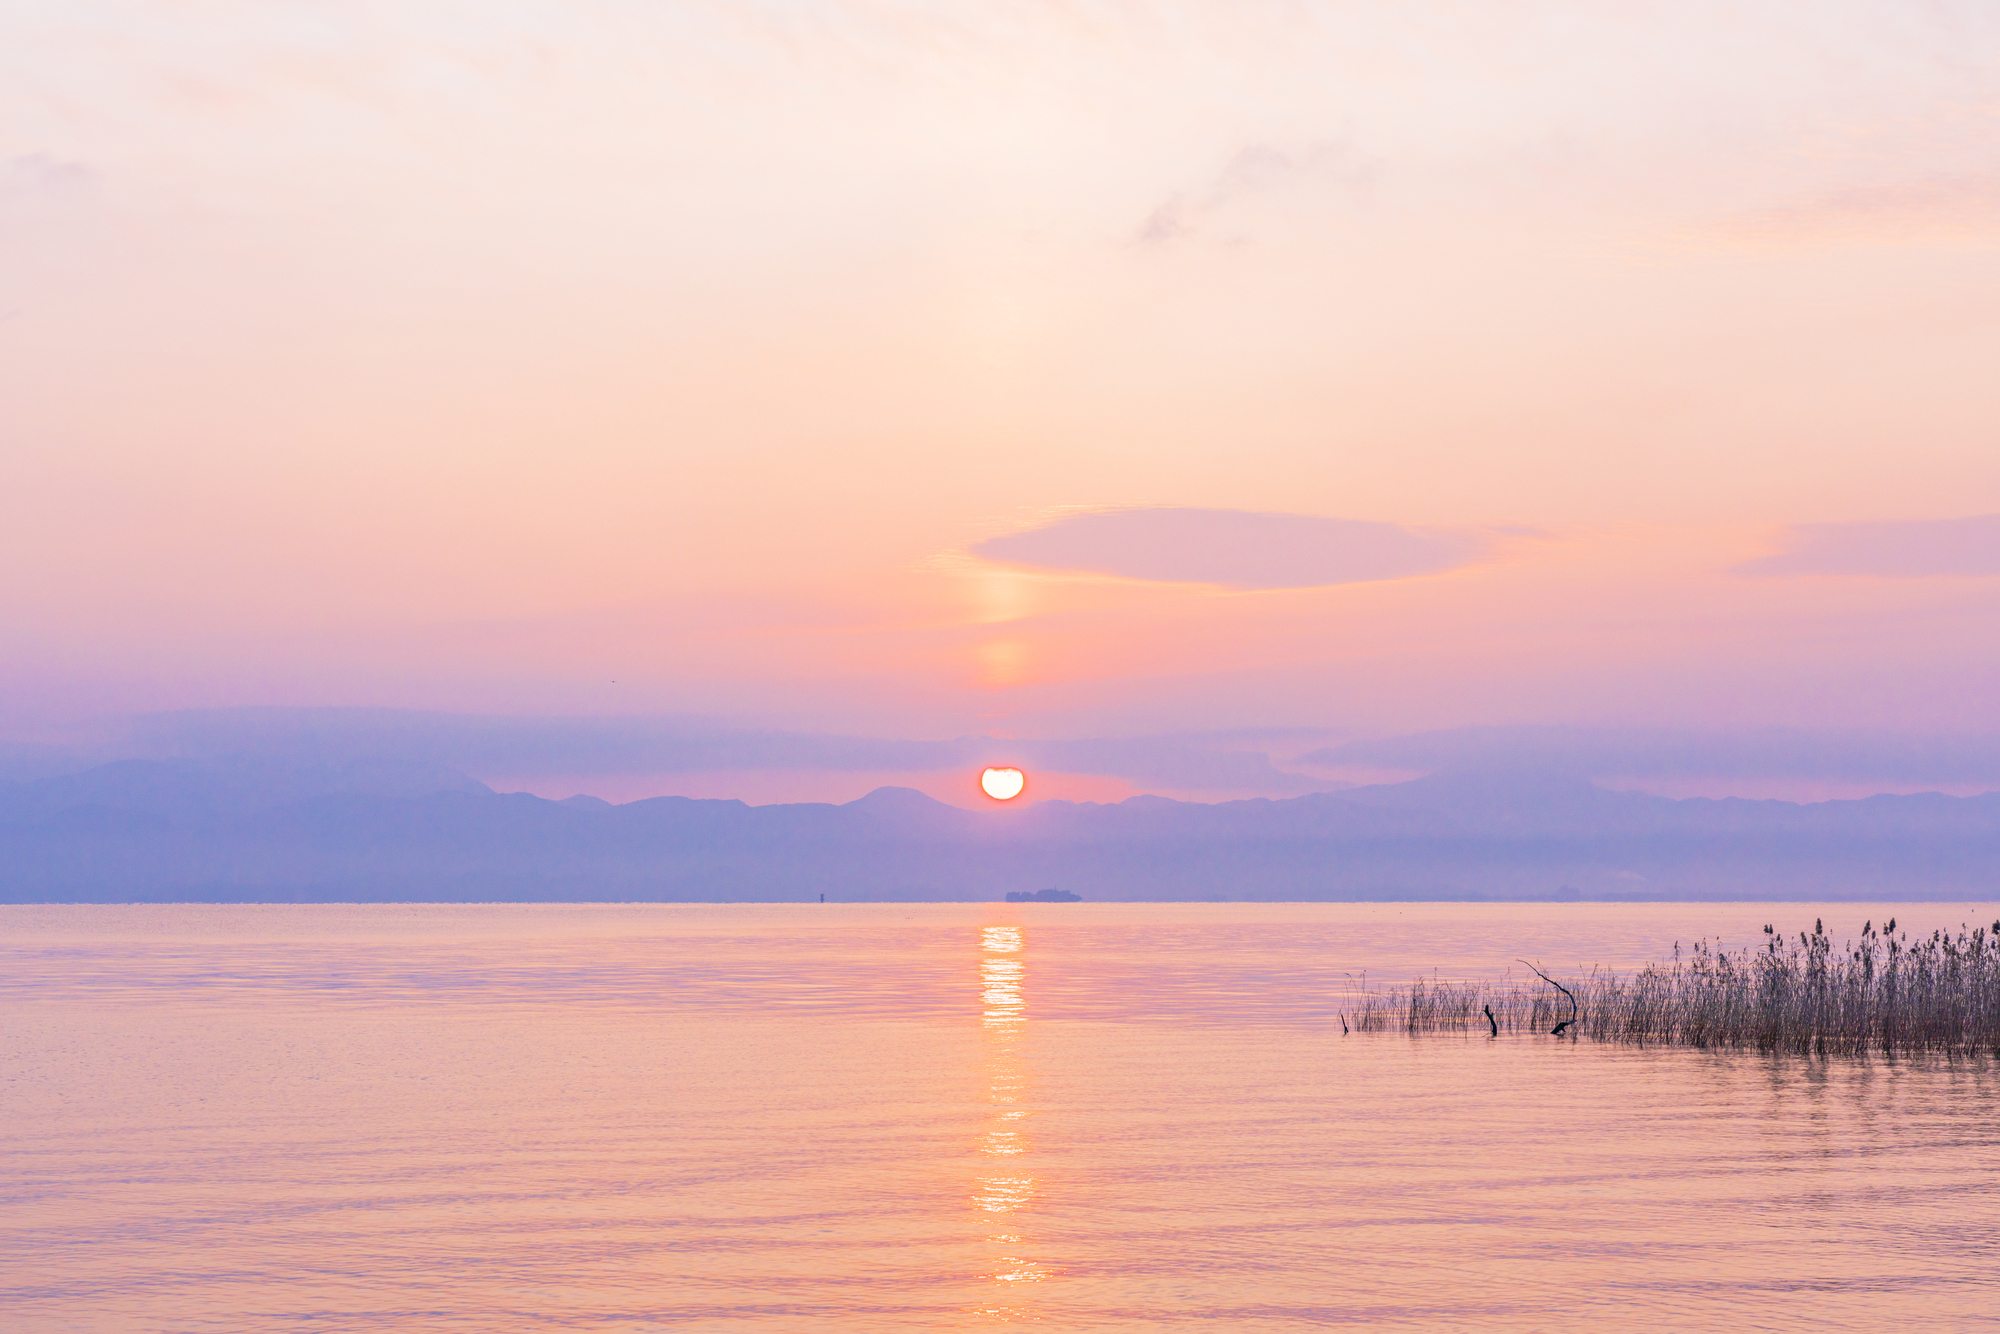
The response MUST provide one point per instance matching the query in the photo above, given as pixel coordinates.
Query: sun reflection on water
(1000, 977)
(1003, 1193)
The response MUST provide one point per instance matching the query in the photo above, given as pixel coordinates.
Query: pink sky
(675, 359)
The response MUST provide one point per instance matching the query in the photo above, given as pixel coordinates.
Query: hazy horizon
(625, 758)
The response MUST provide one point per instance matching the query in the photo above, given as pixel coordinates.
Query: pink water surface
(935, 1117)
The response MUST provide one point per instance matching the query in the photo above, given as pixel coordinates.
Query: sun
(1003, 784)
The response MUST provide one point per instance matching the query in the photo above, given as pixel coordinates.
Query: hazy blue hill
(209, 790)
(257, 828)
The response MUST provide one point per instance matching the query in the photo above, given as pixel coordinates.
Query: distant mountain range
(250, 829)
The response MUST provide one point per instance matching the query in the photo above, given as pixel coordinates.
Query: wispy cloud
(1822, 755)
(1234, 548)
(38, 175)
(1944, 207)
(1259, 170)
(1911, 549)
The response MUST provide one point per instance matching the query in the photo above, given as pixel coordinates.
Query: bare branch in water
(1574, 1009)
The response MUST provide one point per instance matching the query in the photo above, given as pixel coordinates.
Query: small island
(1044, 896)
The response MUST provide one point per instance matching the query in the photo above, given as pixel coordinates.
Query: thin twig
(1574, 1008)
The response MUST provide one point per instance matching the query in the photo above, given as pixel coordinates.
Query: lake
(1089, 1117)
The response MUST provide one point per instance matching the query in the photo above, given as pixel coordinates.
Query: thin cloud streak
(1844, 756)
(1233, 548)
(617, 747)
(1919, 549)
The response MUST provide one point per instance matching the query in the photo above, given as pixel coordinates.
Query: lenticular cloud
(1233, 548)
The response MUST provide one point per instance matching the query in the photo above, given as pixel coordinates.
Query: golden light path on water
(1002, 1193)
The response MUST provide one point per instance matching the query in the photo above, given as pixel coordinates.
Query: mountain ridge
(253, 828)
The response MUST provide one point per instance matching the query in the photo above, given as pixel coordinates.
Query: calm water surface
(940, 1117)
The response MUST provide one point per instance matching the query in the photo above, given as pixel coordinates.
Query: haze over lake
(1111, 1117)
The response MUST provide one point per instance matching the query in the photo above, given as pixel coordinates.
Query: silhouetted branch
(1574, 1008)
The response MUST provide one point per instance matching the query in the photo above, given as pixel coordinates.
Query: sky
(1261, 379)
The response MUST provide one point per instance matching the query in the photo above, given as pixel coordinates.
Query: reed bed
(1885, 994)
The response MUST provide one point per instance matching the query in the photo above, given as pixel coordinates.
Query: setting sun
(1003, 784)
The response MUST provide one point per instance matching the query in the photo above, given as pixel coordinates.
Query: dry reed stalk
(1884, 994)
